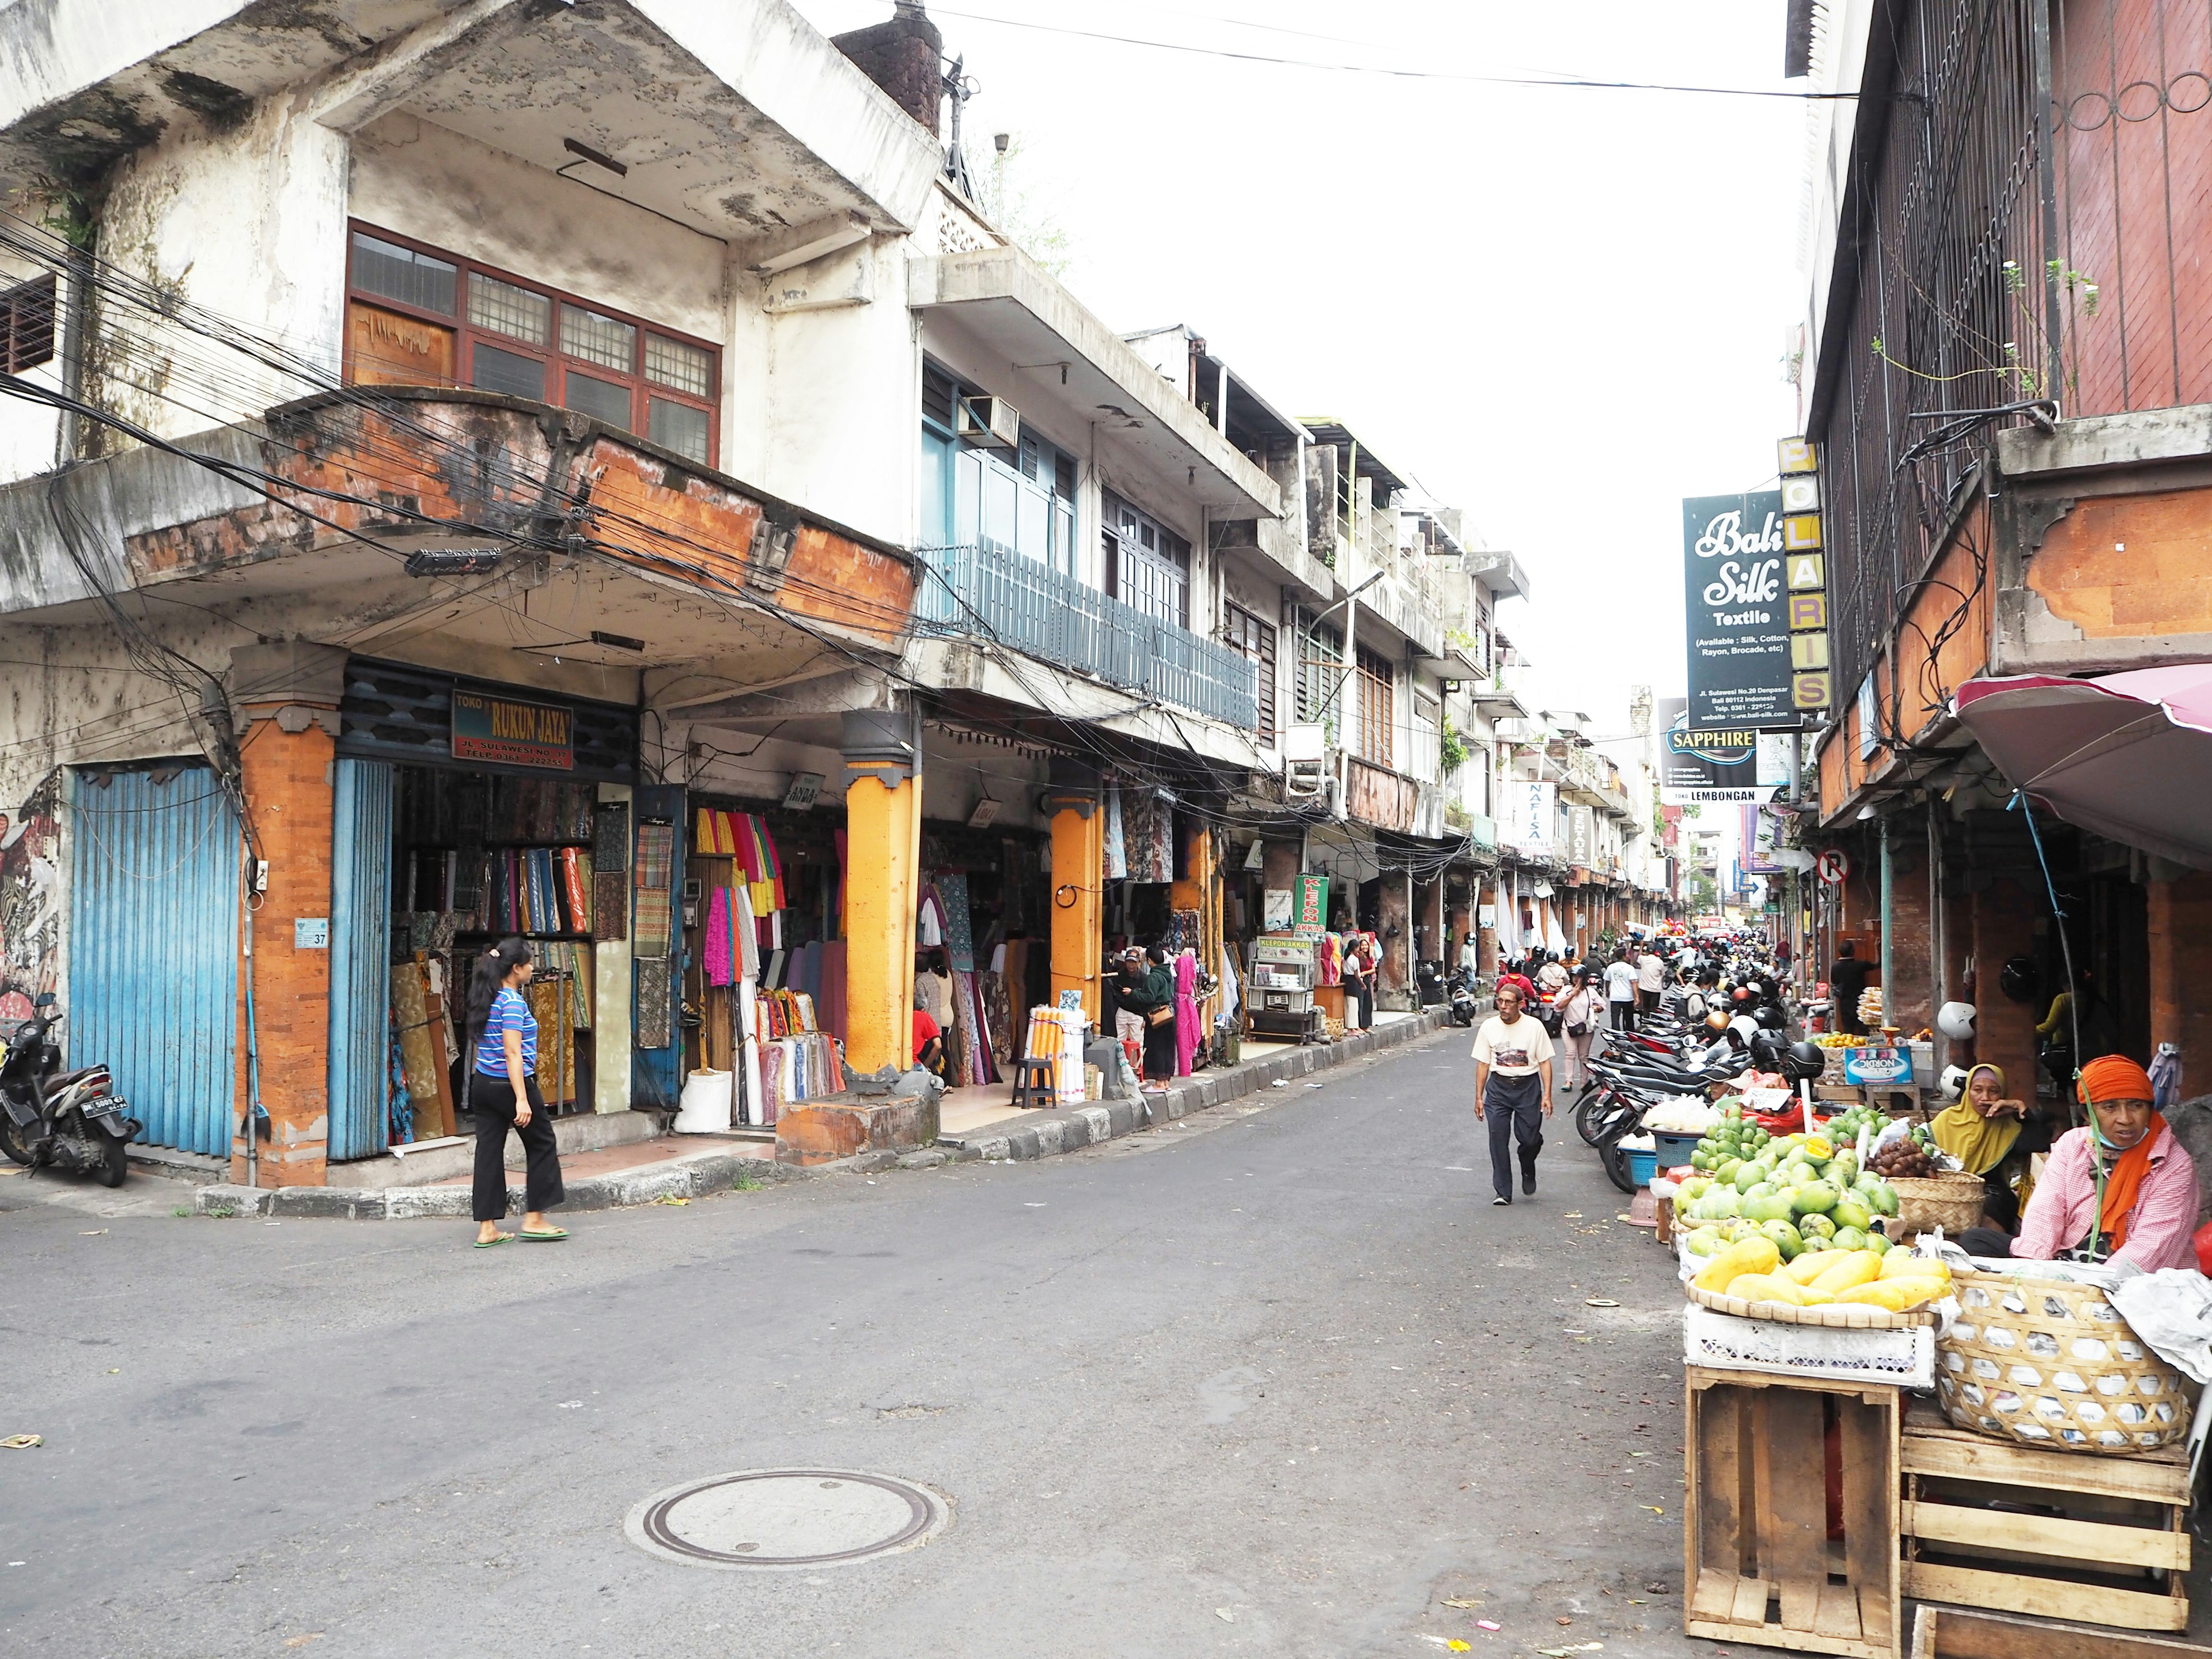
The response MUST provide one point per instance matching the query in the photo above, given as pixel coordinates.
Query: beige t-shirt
(1514, 1050)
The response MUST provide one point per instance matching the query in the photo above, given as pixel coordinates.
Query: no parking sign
(1832, 865)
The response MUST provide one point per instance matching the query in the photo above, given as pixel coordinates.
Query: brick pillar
(1078, 848)
(883, 830)
(2004, 1030)
(2180, 916)
(286, 698)
(1908, 1005)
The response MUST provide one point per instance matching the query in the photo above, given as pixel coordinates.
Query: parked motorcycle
(50, 1118)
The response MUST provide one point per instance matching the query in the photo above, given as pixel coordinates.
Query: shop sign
(1312, 914)
(510, 734)
(1531, 814)
(1704, 768)
(1582, 832)
(1738, 611)
(1275, 909)
(1877, 1066)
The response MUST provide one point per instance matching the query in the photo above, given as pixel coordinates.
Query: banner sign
(1738, 612)
(1312, 914)
(510, 734)
(1582, 837)
(1530, 816)
(1698, 769)
(1877, 1066)
(1805, 575)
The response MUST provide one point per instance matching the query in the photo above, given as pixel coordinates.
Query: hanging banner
(1704, 768)
(1531, 809)
(1312, 914)
(1738, 612)
(1582, 837)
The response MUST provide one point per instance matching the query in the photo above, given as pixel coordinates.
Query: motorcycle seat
(63, 1080)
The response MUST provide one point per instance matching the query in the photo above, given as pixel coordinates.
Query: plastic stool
(1036, 1083)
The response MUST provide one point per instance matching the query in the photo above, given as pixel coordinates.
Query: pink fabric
(719, 966)
(1186, 973)
(2063, 1212)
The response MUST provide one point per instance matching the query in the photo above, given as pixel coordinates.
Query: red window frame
(467, 334)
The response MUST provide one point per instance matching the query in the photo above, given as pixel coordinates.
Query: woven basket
(1849, 1315)
(1953, 1202)
(2046, 1362)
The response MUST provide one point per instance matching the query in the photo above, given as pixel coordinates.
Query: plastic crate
(1673, 1150)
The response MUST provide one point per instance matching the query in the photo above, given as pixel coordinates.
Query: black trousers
(1360, 1003)
(492, 1100)
(1624, 1015)
(1514, 1109)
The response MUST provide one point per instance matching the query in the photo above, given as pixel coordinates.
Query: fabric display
(1329, 959)
(1115, 857)
(656, 1010)
(744, 836)
(1184, 930)
(654, 930)
(566, 957)
(1056, 1033)
(609, 905)
(399, 1119)
(972, 1055)
(1187, 1035)
(538, 889)
(469, 808)
(420, 1061)
(1148, 835)
(959, 939)
(556, 1050)
(797, 1069)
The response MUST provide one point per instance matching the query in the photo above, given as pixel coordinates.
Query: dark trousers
(492, 1100)
(1624, 1015)
(1985, 1241)
(1360, 1003)
(1514, 1108)
(1647, 1004)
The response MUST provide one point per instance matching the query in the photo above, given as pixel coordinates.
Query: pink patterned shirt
(2062, 1213)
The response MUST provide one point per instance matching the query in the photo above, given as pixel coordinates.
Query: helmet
(1716, 1022)
(1955, 1020)
(1767, 1049)
(1805, 1060)
(1769, 1017)
(1743, 1028)
(1741, 994)
(1953, 1082)
(2017, 978)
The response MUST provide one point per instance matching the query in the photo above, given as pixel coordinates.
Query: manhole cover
(786, 1518)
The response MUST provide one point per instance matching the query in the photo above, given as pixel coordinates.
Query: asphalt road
(1279, 1381)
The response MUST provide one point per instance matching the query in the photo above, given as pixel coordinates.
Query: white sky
(1562, 310)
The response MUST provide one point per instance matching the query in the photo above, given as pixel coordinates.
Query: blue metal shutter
(360, 958)
(153, 951)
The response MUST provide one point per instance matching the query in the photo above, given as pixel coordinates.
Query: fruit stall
(1873, 1416)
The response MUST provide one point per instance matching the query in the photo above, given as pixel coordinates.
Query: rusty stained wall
(1378, 797)
(2131, 569)
(30, 869)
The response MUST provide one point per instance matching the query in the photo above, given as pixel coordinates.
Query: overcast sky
(1562, 310)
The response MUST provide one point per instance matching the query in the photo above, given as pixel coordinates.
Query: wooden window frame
(1254, 636)
(1127, 557)
(467, 335)
(1378, 704)
(27, 314)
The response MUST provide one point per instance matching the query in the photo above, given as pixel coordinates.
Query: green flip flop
(486, 1244)
(550, 1235)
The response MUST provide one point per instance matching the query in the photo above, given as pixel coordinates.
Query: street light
(1313, 632)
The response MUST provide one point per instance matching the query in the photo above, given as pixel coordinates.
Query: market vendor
(1981, 1129)
(2149, 1200)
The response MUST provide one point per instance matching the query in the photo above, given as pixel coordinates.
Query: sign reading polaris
(1738, 613)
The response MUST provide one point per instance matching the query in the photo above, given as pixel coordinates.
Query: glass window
(393, 272)
(597, 339)
(999, 503)
(603, 400)
(1035, 507)
(508, 309)
(680, 368)
(679, 427)
(510, 371)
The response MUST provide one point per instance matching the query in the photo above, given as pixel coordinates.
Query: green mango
(1815, 1197)
(1877, 1243)
(1706, 1241)
(1750, 1175)
(1885, 1198)
(1768, 1207)
(1850, 1212)
(1848, 1238)
(1726, 1169)
(1815, 1225)
(1785, 1239)
(1726, 1203)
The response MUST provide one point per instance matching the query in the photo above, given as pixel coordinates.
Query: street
(1281, 1380)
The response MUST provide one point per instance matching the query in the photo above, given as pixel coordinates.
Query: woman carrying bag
(1155, 999)
(503, 1092)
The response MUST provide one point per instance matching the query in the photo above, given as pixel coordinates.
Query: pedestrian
(1126, 985)
(1359, 983)
(1578, 1020)
(1552, 977)
(1650, 980)
(1514, 976)
(1620, 991)
(503, 1093)
(928, 1041)
(1156, 999)
(1470, 955)
(1512, 1091)
(1847, 978)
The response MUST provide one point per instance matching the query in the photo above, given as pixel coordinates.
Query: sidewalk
(974, 1124)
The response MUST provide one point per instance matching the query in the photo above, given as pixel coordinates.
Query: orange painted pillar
(883, 835)
(1078, 834)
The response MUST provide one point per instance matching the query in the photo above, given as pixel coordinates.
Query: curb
(700, 1173)
(1101, 1120)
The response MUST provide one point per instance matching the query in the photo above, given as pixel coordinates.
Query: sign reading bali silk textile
(510, 734)
(1698, 769)
(1738, 612)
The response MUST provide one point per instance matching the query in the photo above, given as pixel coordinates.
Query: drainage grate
(787, 1518)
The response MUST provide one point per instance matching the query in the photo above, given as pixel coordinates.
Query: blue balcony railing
(1029, 607)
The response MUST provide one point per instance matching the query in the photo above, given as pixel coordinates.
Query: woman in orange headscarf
(2120, 1189)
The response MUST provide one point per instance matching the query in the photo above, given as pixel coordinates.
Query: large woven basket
(2046, 1362)
(1953, 1202)
(1847, 1315)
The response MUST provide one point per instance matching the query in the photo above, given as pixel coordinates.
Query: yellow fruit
(1816, 1298)
(1766, 1287)
(1811, 1265)
(1753, 1255)
(1858, 1267)
(1897, 1294)
(1818, 1149)
(1901, 1264)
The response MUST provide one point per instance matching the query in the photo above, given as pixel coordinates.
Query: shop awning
(2128, 756)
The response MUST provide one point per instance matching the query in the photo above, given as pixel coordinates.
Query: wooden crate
(2062, 1511)
(1760, 1567)
(1948, 1633)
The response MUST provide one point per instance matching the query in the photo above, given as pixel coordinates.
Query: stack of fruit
(1844, 1127)
(1753, 1271)
(1908, 1157)
(1841, 1040)
(1870, 1007)
(1799, 1192)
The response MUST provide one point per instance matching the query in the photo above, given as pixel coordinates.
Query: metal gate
(153, 945)
(360, 958)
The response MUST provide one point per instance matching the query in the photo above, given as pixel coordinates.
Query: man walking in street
(1512, 1090)
(1620, 991)
(1650, 980)
(1845, 980)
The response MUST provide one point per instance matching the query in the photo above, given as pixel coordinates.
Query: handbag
(1162, 1015)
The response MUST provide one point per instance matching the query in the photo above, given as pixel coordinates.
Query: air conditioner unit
(989, 423)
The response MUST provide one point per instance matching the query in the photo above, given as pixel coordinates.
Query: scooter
(1463, 1006)
(69, 1119)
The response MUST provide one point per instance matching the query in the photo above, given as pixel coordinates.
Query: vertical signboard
(1805, 577)
(1739, 625)
(1531, 813)
(1311, 916)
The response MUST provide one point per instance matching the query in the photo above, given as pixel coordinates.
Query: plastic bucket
(1642, 1166)
(1674, 1151)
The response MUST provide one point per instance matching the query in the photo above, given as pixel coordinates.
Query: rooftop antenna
(960, 88)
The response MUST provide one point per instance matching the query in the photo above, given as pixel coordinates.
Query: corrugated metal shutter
(152, 952)
(361, 957)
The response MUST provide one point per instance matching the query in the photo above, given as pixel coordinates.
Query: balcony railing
(1044, 613)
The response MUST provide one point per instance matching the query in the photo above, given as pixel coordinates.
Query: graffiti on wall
(30, 900)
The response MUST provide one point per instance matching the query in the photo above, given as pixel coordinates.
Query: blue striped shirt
(509, 1012)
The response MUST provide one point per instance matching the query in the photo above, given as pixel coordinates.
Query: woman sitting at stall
(2148, 1204)
(1980, 1129)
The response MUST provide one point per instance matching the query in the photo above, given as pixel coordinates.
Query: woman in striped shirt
(503, 1091)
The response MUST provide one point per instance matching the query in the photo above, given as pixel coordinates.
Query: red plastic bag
(2203, 1241)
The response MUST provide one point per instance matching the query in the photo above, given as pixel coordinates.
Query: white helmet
(1743, 1026)
(1953, 1082)
(1955, 1020)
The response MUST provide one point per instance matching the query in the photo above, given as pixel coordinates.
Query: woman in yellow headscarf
(1980, 1129)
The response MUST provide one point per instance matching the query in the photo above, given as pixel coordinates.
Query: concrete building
(2010, 400)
